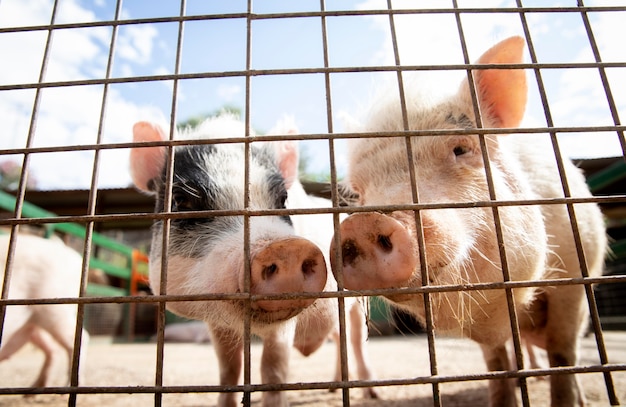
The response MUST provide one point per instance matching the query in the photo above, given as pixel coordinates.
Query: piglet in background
(193, 331)
(206, 254)
(380, 250)
(42, 268)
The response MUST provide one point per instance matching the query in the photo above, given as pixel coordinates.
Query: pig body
(460, 244)
(42, 268)
(206, 254)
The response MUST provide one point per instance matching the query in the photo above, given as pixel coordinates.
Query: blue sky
(70, 115)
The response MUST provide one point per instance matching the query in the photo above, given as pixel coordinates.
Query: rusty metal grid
(535, 68)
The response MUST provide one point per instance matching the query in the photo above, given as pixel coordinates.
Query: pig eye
(179, 202)
(183, 202)
(283, 199)
(460, 150)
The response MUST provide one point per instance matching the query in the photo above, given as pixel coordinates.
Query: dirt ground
(392, 357)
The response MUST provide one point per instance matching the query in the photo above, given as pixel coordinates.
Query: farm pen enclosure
(77, 75)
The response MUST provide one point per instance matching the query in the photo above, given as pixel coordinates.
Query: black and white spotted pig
(206, 254)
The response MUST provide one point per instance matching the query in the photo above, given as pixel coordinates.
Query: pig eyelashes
(182, 201)
(461, 121)
(185, 197)
(278, 192)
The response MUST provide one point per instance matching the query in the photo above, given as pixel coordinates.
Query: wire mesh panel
(445, 167)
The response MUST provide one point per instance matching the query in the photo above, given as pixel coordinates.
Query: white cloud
(78, 54)
(68, 116)
(433, 39)
(126, 70)
(135, 43)
(70, 11)
(15, 13)
(18, 66)
(582, 98)
(228, 92)
(576, 96)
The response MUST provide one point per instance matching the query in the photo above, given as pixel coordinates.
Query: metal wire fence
(325, 14)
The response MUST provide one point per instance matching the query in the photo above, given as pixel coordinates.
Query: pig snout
(376, 252)
(292, 265)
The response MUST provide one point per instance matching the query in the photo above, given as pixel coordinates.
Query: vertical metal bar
(593, 308)
(343, 348)
(428, 312)
(603, 77)
(21, 188)
(570, 207)
(247, 271)
(78, 335)
(167, 206)
(496, 215)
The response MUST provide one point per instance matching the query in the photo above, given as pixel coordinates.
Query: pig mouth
(262, 316)
(434, 278)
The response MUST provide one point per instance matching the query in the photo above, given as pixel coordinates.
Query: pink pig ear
(502, 93)
(287, 154)
(288, 157)
(146, 163)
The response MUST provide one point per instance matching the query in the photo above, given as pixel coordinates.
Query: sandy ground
(392, 357)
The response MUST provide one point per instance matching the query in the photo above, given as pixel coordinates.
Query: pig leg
(275, 363)
(532, 356)
(501, 391)
(62, 326)
(567, 313)
(44, 342)
(13, 340)
(334, 335)
(229, 350)
(19, 338)
(40, 339)
(358, 337)
(534, 361)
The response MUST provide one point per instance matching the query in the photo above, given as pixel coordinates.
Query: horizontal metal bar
(609, 199)
(613, 279)
(304, 14)
(613, 367)
(314, 136)
(302, 71)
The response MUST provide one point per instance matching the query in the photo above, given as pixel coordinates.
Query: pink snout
(292, 265)
(377, 251)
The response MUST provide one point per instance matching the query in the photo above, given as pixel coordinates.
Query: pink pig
(41, 268)
(380, 250)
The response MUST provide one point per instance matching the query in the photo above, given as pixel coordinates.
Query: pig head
(206, 253)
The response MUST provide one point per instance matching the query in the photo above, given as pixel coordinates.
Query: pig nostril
(308, 267)
(384, 242)
(269, 271)
(350, 252)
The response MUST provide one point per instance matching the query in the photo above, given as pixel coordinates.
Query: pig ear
(146, 163)
(286, 150)
(502, 93)
(287, 156)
